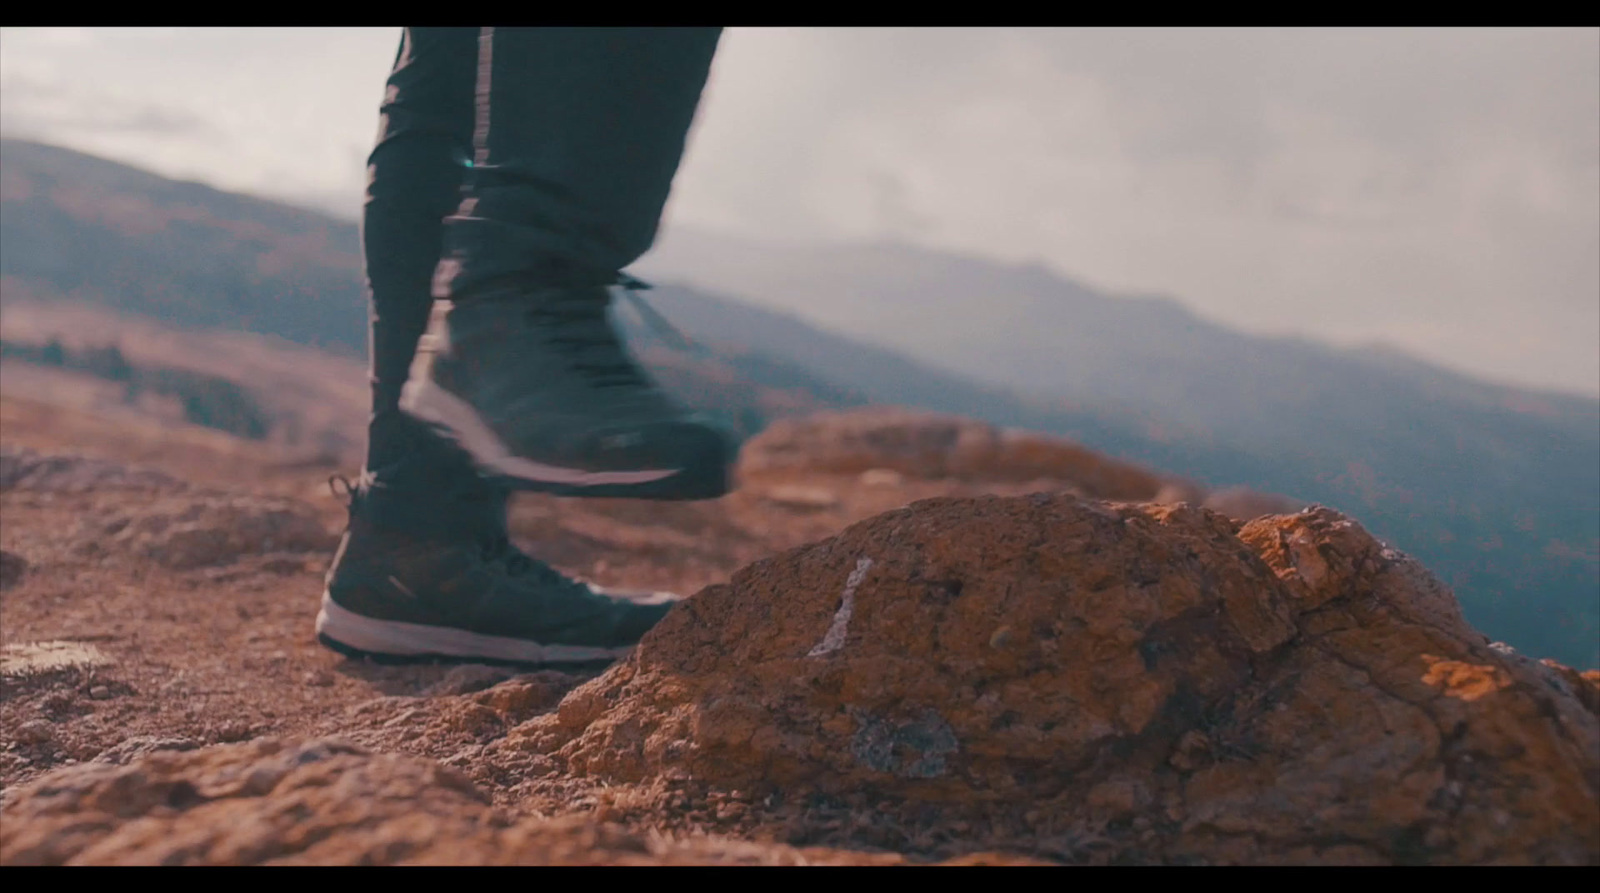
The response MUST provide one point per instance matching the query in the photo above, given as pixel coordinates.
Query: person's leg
(426, 568)
(414, 177)
(414, 180)
(579, 132)
(578, 135)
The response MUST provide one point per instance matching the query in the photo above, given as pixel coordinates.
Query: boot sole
(394, 641)
(455, 419)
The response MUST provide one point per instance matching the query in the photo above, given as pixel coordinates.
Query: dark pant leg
(414, 178)
(578, 134)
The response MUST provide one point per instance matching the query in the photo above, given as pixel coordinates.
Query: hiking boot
(534, 383)
(427, 573)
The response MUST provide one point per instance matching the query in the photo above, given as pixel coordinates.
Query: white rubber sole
(397, 639)
(427, 401)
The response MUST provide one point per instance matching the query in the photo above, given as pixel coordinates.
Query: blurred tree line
(207, 400)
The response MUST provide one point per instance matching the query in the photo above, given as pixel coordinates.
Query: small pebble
(35, 731)
(99, 692)
(881, 477)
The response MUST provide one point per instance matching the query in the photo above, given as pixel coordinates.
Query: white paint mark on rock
(833, 640)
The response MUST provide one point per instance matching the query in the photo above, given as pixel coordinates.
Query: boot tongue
(441, 510)
(434, 491)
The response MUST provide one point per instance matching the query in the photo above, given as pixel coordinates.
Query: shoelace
(499, 550)
(351, 488)
(631, 286)
(615, 368)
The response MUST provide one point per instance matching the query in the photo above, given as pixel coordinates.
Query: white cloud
(1434, 188)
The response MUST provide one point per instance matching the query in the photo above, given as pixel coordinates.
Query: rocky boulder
(1107, 683)
(930, 445)
(884, 446)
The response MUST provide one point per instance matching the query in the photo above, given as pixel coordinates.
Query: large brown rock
(1134, 683)
(927, 445)
(322, 803)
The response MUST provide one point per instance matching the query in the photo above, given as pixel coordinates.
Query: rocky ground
(906, 639)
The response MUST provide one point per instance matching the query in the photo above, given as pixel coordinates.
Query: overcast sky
(1437, 189)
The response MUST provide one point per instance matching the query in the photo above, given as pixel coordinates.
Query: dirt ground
(223, 651)
(1283, 691)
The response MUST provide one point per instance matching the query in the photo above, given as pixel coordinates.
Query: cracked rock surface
(1107, 682)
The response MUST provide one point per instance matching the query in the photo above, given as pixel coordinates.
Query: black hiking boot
(426, 572)
(535, 385)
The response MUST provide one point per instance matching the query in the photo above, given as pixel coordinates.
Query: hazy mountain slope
(77, 225)
(1026, 328)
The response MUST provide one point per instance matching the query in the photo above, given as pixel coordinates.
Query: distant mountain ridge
(1497, 486)
(187, 253)
(1497, 489)
(1028, 329)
